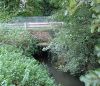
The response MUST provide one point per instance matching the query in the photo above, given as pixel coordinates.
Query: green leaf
(97, 1)
(99, 29)
(72, 3)
(97, 9)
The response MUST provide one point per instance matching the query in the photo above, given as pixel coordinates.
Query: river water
(64, 78)
(60, 77)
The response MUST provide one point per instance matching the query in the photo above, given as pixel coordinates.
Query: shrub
(92, 78)
(18, 70)
(74, 44)
(19, 38)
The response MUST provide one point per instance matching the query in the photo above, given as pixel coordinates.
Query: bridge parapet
(40, 29)
(31, 25)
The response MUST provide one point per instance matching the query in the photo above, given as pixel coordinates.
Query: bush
(93, 77)
(18, 70)
(73, 45)
(20, 38)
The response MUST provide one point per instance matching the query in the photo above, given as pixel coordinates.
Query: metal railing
(31, 25)
(35, 23)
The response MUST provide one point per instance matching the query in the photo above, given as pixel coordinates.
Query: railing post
(25, 25)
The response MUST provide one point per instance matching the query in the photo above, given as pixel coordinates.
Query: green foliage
(9, 8)
(31, 8)
(93, 77)
(74, 45)
(67, 7)
(95, 26)
(18, 70)
(20, 38)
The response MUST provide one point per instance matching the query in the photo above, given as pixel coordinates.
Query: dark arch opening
(42, 56)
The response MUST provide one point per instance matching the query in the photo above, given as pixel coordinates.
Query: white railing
(31, 25)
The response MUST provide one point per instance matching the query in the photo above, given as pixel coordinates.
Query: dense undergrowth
(19, 38)
(92, 78)
(16, 66)
(18, 70)
(73, 46)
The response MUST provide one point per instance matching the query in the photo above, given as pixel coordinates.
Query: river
(60, 77)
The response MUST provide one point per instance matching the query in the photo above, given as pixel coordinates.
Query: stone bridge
(44, 32)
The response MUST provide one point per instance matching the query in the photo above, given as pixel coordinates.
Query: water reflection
(64, 78)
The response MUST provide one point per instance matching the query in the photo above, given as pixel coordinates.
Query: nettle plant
(18, 70)
(92, 78)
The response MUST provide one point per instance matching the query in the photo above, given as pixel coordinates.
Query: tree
(9, 8)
